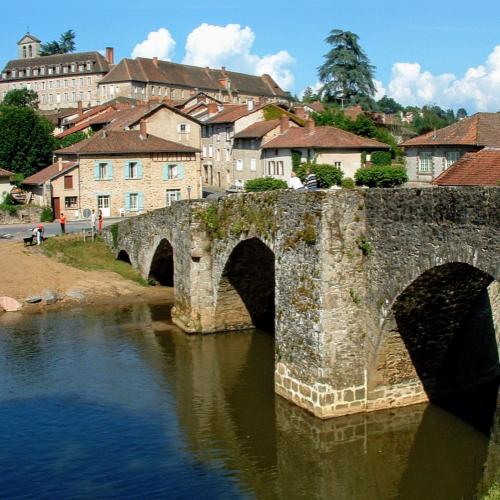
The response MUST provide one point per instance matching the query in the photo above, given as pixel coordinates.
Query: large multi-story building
(60, 80)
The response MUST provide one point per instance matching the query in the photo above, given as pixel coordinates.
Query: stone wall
(28, 215)
(353, 271)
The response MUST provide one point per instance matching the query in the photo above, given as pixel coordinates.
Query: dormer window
(30, 50)
(65, 69)
(28, 71)
(21, 73)
(42, 70)
(51, 70)
(35, 72)
(14, 73)
(89, 66)
(4, 76)
(58, 69)
(80, 67)
(25, 55)
(73, 67)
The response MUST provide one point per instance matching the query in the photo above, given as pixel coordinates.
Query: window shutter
(165, 172)
(139, 170)
(110, 171)
(96, 171)
(126, 170)
(127, 201)
(140, 201)
(180, 172)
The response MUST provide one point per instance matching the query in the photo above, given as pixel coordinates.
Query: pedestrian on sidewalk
(62, 222)
(93, 221)
(100, 221)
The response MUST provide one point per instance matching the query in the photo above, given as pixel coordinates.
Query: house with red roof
(428, 155)
(473, 169)
(328, 145)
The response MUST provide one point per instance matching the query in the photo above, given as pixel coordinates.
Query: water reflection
(118, 402)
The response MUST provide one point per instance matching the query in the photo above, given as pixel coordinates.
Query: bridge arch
(245, 295)
(439, 339)
(161, 268)
(124, 257)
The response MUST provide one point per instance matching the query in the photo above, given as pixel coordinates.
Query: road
(19, 231)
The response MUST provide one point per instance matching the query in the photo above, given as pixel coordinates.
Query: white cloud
(315, 88)
(477, 90)
(231, 46)
(380, 90)
(158, 44)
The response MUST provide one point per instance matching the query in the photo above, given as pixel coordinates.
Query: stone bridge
(377, 298)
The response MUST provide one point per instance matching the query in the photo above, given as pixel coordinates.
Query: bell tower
(29, 46)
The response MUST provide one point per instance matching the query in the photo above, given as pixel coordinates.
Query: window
(425, 161)
(65, 69)
(451, 158)
(133, 170)
(73, 67)
(50, 71)
(280, 168)
(172, 172)
(253, 164)
(239, 164)
(58, 69)
(81, 82)
(217, 154)
(217, 137)
(183, 128)
(70, 202)
(133, 201)
(173, 93)
(271, 166)
(210, 151)
(81, 67)
(204, 152)
(228, 155)
(173, 195)
(89, 80)
(89, 66)
(103, 171)
(42, 70)
(228, 133)
(338, 164)
(153, 90)
(66, 97)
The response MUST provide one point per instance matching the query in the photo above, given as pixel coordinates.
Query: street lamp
(189, 192)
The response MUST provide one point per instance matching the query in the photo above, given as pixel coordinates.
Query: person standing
(39, 234)
(62, 222)
(100, 221)
(311, 180)
(93, 219)
(294, 182)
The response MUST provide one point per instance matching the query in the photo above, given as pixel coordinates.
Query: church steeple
(29, 46)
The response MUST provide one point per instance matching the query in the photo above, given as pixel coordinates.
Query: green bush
(348, 183)
(8, 204)
(327, 175)
(378, 176)
(381, 158)
(46, 215)
(264, 184)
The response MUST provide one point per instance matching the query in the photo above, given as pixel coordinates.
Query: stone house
(60, 80)
(125, 172)
(58, 187)
(473, 169)
(5, 185)
(428, 155)
(220, 168)
(328, 145)
(143, 78)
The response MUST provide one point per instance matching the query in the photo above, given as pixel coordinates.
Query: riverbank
(27, 272)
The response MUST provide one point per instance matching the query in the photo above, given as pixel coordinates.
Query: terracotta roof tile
(123, 142)
(231, 113)
(481, 129)
(49, 173)
(5, 173)
(473, 169)
(257, 129)
(322, 138)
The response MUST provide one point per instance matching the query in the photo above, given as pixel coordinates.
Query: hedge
(264, 184)
(379, 176)
(381, 158)
(327, 175)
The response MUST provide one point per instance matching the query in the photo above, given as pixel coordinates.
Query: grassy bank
(88, 256)
(493, 493)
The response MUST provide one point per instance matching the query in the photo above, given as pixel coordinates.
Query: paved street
(51, 228)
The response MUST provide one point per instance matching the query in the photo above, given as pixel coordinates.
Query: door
(56, 207)
(104, 205)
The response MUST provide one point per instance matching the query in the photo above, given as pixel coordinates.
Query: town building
(428, 155)
(56, 186)
(60, 80)
(126, 172)
(143, 78)
(322, 145)
(473, 169)
(5, 185)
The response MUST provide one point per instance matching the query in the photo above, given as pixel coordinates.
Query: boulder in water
(9, 304)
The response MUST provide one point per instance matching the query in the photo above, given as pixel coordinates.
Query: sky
(444, 52)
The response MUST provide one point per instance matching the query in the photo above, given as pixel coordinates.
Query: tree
(21, 98)
(389, 105)
(346, 73)
(309, 95)
(73, 138)
(26, 140)
(65, 44)
(461, 113)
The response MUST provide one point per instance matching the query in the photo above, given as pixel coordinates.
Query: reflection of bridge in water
(228, 412)
(377, 298)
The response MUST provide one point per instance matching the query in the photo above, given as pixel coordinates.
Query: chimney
(80, 109)
(284, 123)
(250, 104)
(212, 108)
(59, 164)
(310, 125)
(155, 61)
(301, 112)
(143, 129)
(110, 55)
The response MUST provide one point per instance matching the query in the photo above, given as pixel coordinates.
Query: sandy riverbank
(26, 272)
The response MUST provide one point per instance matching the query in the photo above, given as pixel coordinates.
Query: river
(116, 402)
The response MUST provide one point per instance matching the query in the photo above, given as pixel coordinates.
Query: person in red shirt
(62, 221)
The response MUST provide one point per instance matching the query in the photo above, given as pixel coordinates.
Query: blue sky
(427, 51)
